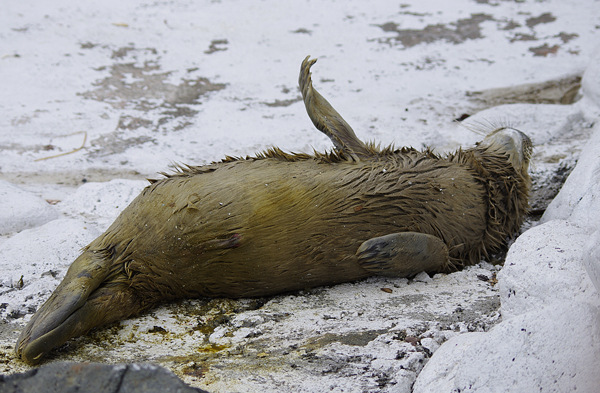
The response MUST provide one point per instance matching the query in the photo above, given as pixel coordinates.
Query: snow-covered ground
(143, 84)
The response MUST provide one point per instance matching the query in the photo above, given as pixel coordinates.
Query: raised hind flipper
(80, 303)
(327, 119)
(403, 254)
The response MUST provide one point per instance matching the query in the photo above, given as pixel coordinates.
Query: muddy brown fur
(280, 222)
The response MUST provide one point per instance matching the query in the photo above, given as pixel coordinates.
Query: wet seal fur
(280, 222)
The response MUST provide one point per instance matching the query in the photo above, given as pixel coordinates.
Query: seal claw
(403, 254)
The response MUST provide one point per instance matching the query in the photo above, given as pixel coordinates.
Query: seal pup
(280, 222)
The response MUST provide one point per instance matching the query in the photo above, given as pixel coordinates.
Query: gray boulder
(97, 378)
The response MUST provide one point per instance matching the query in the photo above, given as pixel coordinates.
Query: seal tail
(78, 304)
(327, 119)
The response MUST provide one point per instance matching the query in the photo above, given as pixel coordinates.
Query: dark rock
(97, 378)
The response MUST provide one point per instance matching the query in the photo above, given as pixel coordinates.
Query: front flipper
(327, 119)
(403, 254)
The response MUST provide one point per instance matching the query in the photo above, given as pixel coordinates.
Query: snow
(554, 349)
(529, 280)
(591, 259)
(578, 199)
(153, 83)
(22, 210)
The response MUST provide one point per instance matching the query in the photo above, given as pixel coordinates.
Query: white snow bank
(21, 210)
(579, 198)
(555, 349)
(543, 267)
